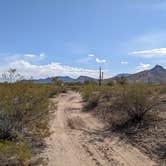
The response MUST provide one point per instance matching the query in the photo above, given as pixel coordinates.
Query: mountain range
(154, 75)
(65, 79)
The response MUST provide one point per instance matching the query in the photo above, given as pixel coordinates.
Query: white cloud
(91, 55)
(143, 66)
(8, 57)
(153, 53)
(100, 60)
(27, 69)
(124, 62)
(42, 55)
(30, 55)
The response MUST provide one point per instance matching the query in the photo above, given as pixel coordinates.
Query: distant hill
(122, 75)
(42, 81)
(154, 75)
(80, 79)
(65, 79)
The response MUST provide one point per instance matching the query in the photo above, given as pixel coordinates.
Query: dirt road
(79, 139)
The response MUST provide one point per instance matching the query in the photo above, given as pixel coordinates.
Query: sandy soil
(79, 139)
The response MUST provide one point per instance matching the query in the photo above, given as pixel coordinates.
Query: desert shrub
(88, 90)
(136, 100)
(122, 103)
(128, 104)
(92, 93)
(161, 149)
(111, 83)
(24, 115)
(121, 80)
(19, 105)
(92, 102)
(13, 153)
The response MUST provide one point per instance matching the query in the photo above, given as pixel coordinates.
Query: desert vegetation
(24, 116)
(133, 111)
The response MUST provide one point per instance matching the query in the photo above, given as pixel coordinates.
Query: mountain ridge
(155, 75)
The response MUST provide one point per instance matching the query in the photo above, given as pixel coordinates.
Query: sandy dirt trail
(79, 139)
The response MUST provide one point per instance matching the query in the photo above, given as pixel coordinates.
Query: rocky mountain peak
(158, 68)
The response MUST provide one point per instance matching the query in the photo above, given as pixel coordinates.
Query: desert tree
(11, 76)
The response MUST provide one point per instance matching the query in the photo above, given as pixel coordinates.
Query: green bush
(13, 153)
(19, 105)
(24, 115)
(136, 100)
(121, 80)
(92, 102)
(121, 103)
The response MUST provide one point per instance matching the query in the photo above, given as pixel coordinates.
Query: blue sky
(43, 38)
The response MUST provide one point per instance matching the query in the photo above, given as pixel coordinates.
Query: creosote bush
(121, 103)
(136, 100)
(24, 115)
(14, 153)
(135, 112)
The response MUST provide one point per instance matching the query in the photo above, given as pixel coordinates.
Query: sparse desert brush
(89, 90)
(20, 104)
(92, 101)
(121, 80)
(92, 94)
(24, 110)
(130, 103)
(122, 103)
(14, 153)
(136, 100)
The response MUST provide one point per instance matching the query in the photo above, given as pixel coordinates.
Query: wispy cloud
(42, 55)
(124, 62)
(91, 55)
(9, 57)
(143, 66)
(153, 53)
(100, 60)
(30, 55)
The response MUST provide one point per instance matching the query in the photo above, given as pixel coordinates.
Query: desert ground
(80, 139)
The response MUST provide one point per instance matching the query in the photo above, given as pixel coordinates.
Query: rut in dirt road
(76, 139)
